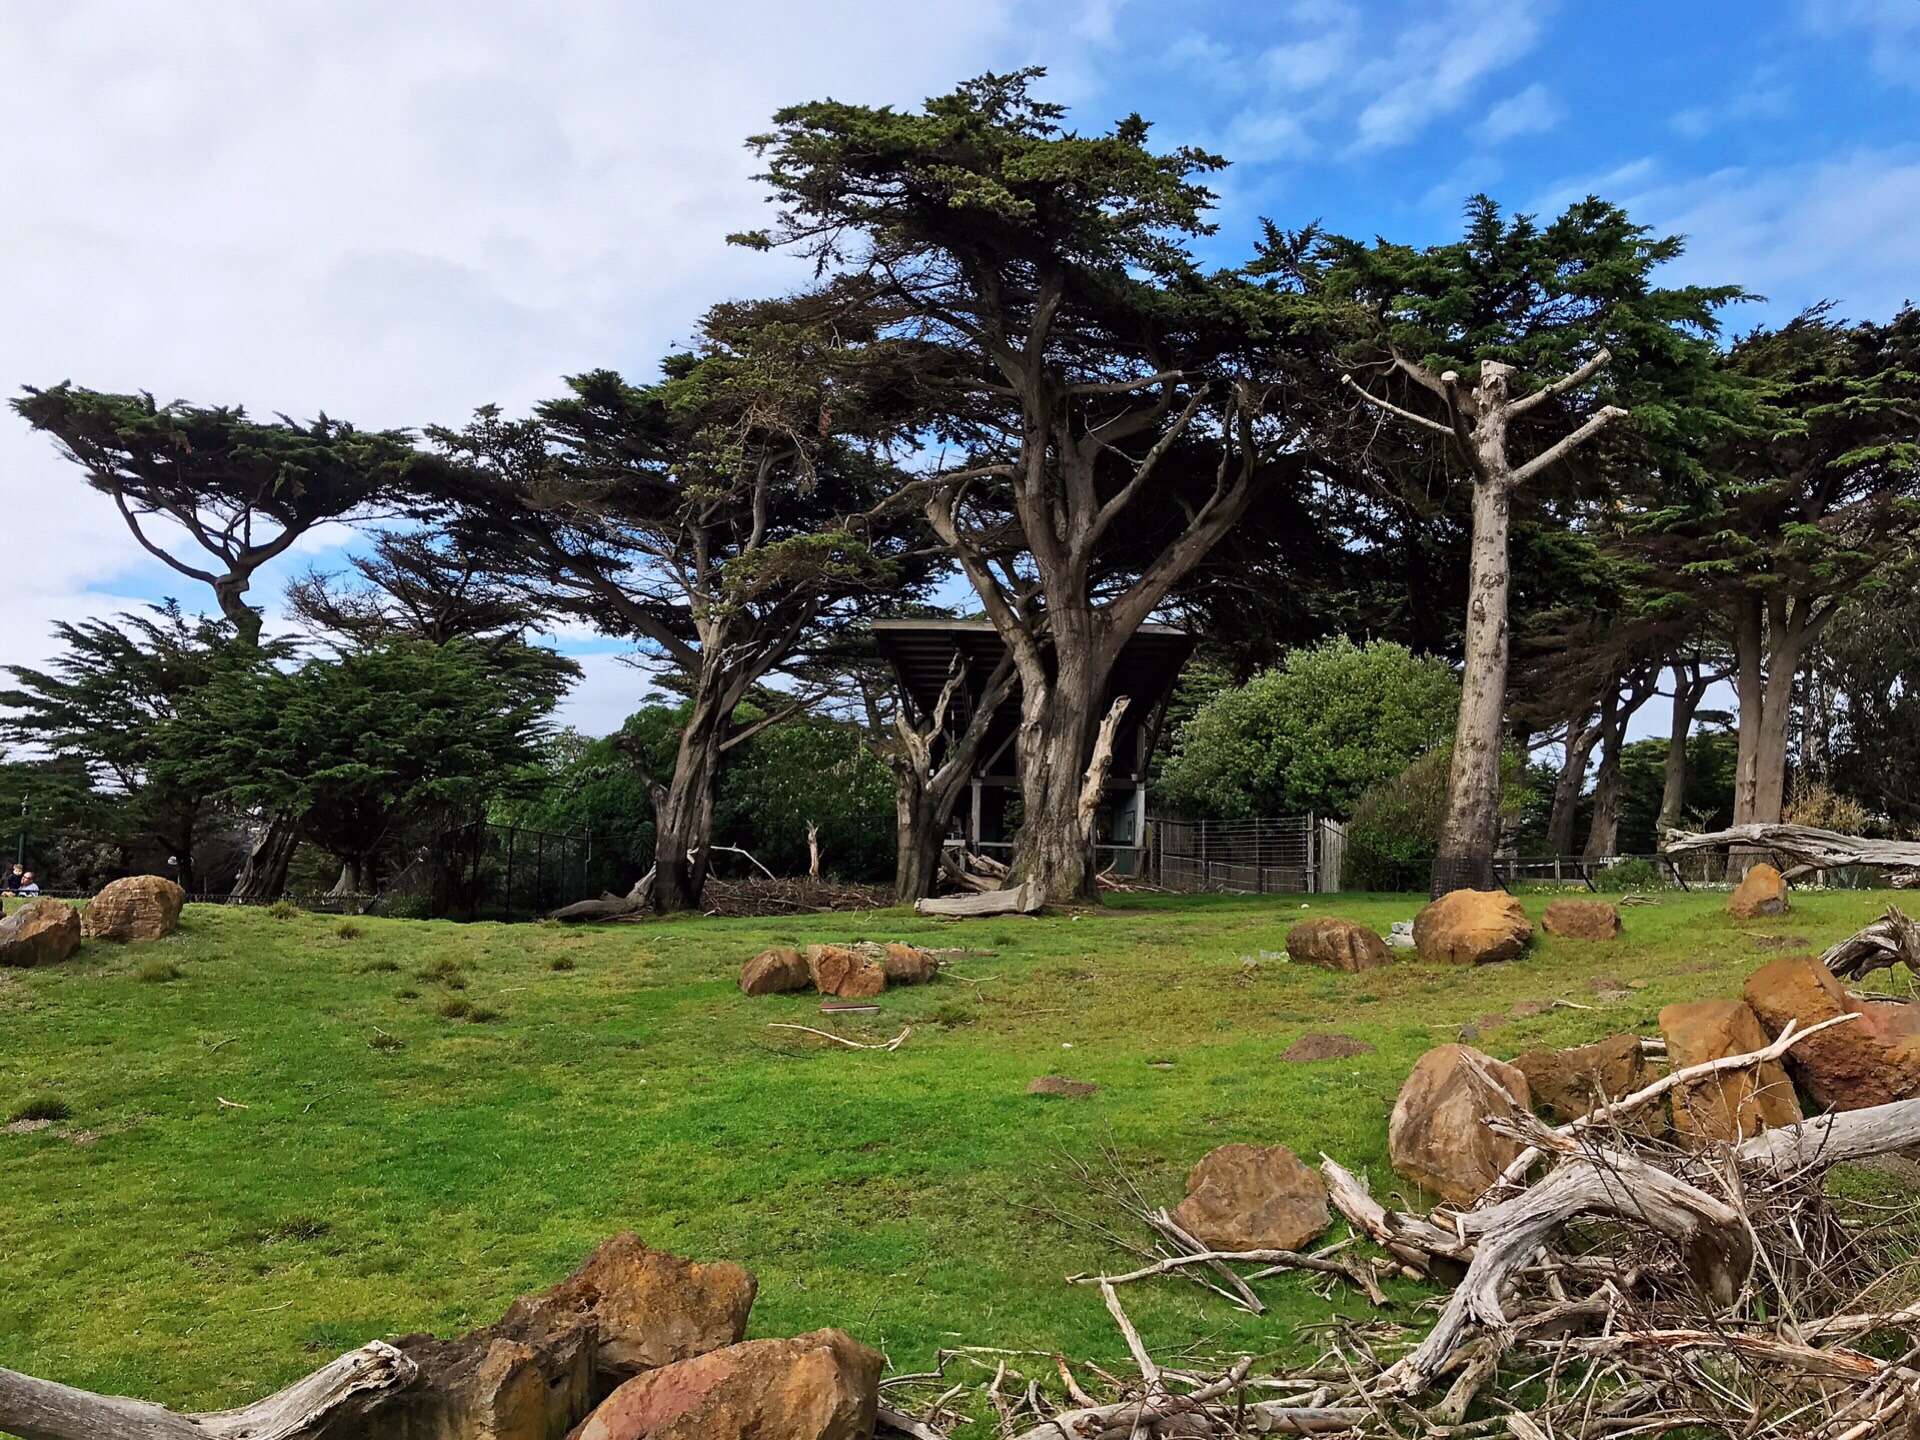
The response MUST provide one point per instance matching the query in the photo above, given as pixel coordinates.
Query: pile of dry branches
(1610, 1285)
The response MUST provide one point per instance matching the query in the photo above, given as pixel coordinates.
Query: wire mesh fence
(483, 871)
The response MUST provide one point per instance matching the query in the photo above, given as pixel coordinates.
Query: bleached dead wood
(1182, 1416)
(1809, 848)
(1024, 899)
(45, 1410)
(1891, 940)
(1830, 1139)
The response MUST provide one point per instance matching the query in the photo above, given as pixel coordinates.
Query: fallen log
(355, 1383)
(1891, 940)
(1810, 849)
(1024, 899)
(634, 905)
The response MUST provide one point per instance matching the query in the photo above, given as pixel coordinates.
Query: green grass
(379, 1167)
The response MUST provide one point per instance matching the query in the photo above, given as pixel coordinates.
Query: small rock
(836, 970)
(1762, 894)
(908, 965)
(1438, 1135)
(41, 932)
(1253, 1197)
(1325, 1047)
(1335, 944)
(1400, 937)
(1734, 1105)
(140, 907)
(1472, 927)
(1581, 919)
(820, 1386)
(775, 972)
(1061, 1085)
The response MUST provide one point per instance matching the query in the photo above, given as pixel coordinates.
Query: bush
(1633, 874)
(348, 930)
(1312, 735)
(283, 910)
(158, 972)
(1813, 803)
(43, 1107)
(1394, 832)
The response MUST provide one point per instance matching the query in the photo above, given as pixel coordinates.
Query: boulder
(777, 971)
(908, 965)
(1335, 944)
(1761, 895)
(1581, 919)
(1253, 1197)
(650, 1308)
(822, 1386)
(836, 970)
(140, 907)
(1438, 1136)
(527, 1378)
(1061, 1085)
(1325, 1047)
(1472, 927)
(1736, 1104)
(1866, 1061)
(1566, 1084)
(40, 932)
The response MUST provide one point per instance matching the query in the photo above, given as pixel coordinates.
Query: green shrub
(407, 993)
(348, 930)
(158, 972)
(560, 962)
(1632, 874)
(283, 910)
(43, 1107)
(444, 971)
(454, 1008)
(1395, 829)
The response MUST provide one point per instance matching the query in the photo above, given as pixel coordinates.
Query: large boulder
(140, 907)
(1472, 927)
(1734, 1104)
(1438, 1135)
(775, 972)
(1253, 1197)
(836, 970)
(1865, 1061)
(822, 1386)
(650, 1308)
(1566, 1084)
(908, 965)
(530, 1377)
(1762, 894)
(1335, 944)
(41, 932)
(1581, 919)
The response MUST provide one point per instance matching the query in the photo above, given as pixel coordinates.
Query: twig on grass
(893, 1044)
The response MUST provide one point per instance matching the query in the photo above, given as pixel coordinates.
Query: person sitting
(28, 886)
(10, 882)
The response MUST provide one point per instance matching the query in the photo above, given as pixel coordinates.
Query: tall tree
(1084, 363)
(242, 491)
(722, 517)
(1515, 346)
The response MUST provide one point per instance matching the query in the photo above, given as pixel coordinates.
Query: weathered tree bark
(263, 878)
(1810, 849)
(1478, 422)
(356, 1382)
(1690, 684)
(1582, 735)
(1771, 636)
(683, 811)
(1891, 940)
(1617, 710)
(1025, 898)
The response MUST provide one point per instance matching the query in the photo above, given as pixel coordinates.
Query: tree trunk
(1689, 688)
(1603, 830)
(1467, 835)
(263, 878)
(919, 834)
(683, 812)
(1573, 779)
(1059, 728)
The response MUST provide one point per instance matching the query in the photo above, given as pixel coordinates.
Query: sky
(394, 213)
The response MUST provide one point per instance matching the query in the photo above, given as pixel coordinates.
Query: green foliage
(1310, 736)
(158, 972)
(1708, 803)
(1394, 831)
(42, 1107)
(810, 769)
(1637, 873)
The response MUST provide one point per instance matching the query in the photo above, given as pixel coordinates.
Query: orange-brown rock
(40, 932)
(529, 1377)
(775, 972)
(1581, 919)
(1735, 1104)
(908, 965)
(1472, 927)
(1762, 894)
(821, 1386)
(1566, 1084)
(1253, 1197)
(140, 907)
(1336, 944)
(1861, 1062)
(836, 970)
(1438, 1135)
(650, 1308)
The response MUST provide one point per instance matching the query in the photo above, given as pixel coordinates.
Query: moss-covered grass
(320, 1133)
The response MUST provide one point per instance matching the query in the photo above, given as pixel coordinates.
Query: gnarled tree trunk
(263, 878)
(683, 811)
(1689, 689)
(1581, 736)
(1467, 834)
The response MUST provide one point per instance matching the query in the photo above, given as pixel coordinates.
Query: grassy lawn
(385, 1168)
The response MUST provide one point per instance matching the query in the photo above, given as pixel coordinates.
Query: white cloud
(1436, 67)
(1530, 112)
(1892, 28)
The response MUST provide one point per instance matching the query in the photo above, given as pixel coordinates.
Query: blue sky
(396, 213)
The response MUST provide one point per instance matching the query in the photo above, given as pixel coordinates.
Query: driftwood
(1810, 849)
(1024, 899)
(1891, 940)
(634, 905)
(357, 1381)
